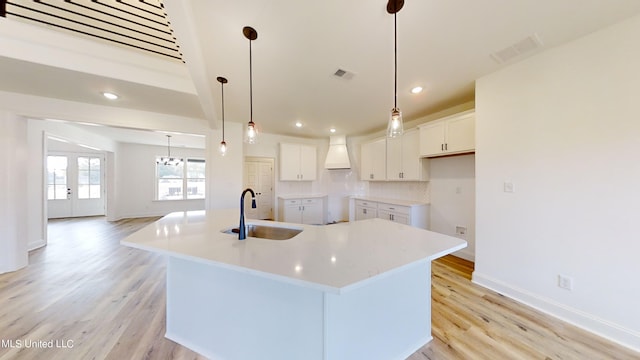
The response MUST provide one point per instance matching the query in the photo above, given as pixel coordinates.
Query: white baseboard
(626, 337)
(36, 245)
(467, 255)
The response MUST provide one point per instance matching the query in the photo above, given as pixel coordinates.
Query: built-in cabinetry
(373, 163)
(396, 159)
(403, 158)
(400, 211)
(452, 135)
(303, 210)
(298, 162)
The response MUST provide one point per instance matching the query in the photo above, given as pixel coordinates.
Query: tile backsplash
(402, 190)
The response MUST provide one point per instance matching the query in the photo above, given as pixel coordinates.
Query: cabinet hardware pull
(446, 147)
(442, 147)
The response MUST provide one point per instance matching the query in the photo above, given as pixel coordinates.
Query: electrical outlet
(565, 282)
(461, 230)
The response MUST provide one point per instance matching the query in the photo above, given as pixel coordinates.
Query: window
(88, 177)
(174, 183)
(56, 177)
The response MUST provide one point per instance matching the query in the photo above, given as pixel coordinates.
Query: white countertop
(301, 196)
(391, 201)
(332, 258)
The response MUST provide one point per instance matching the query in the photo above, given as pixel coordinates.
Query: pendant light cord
(222, 87)
(395, 61)
(250, 84)
(169, 146)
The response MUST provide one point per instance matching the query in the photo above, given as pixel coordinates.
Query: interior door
(259, 176)
(75, 185)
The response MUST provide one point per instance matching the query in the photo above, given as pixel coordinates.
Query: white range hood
(337, 156)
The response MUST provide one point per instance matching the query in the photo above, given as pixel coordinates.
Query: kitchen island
(359, 290)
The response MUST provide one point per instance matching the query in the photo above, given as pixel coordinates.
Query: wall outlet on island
(461, 230)
(565, 282)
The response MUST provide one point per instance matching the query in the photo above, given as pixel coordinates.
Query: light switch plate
(508, 187)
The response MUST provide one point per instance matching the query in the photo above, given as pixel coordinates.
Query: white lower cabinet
(366, 210)
(395, 213)
(310, 211)
(400, 211)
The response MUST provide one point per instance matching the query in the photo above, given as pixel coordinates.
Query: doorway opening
(259, 176)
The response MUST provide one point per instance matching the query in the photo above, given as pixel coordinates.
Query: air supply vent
(343, 74)
(526, 45)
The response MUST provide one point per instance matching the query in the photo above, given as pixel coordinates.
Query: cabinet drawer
(292, 202)
(310, 201)
(366, 203)
(395, 208)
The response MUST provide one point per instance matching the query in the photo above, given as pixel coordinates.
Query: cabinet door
(292, 214)
(312, 213)
(373, 160)
(461, 133)
(289, 162)
(432, 139)
(308, 163)
(363, 213)
(400, 218)
(394, 158)
(410, 159)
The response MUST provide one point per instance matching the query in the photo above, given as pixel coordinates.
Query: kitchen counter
(301, 196)
(349, 290)
(391, 201)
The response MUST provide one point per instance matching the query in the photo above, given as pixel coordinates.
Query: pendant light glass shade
(223, 148)
(251, 135)
(223, 144)
(395, 127)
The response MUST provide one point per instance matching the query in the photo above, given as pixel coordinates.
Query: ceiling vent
(526, 45)
(343, 74)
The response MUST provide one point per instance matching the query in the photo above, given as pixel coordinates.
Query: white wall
(563, 126)
(135, 181)
(224, 173)
(453, 199)
(13, 192)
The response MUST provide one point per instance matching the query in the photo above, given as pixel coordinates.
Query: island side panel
(228, 314)
(385, 320)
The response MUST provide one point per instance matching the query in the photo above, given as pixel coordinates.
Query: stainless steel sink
(267, 232)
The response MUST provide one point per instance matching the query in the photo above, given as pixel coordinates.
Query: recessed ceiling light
(416, 90)
(298, 124)
(110, 96)
(332, 130)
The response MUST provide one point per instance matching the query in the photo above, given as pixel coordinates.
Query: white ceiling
(443, 46)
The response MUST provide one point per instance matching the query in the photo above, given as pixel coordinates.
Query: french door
(75, 185)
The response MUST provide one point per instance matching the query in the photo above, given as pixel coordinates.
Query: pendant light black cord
(250, 84)
(395, 61)
(222, 87)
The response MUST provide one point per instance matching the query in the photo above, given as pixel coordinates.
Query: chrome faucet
(242, 231)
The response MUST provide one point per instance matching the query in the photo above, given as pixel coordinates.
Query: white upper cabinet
(298, 162)
(372, 160)
(403, 158)
(451, 135)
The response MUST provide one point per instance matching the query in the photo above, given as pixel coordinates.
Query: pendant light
(223, 144)
(395, 127)
(252, 133)
(169, 160)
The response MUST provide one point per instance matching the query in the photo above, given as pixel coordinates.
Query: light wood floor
(106, 301)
